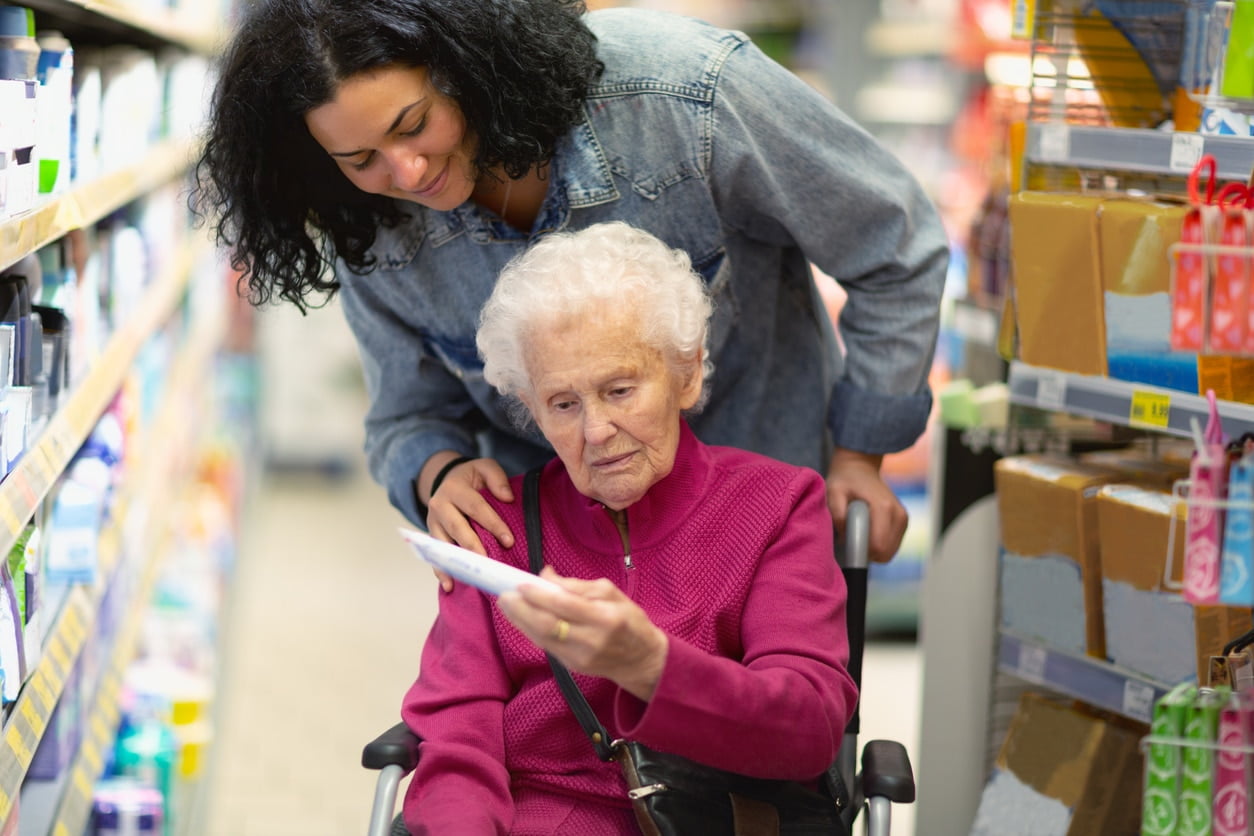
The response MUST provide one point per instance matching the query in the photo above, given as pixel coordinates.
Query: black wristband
(444, 471)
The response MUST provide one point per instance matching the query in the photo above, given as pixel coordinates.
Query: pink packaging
(1208, 484)
(1229, 311)
(1232, 788)
(1188, 303)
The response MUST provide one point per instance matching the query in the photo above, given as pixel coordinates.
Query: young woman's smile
(393, 133)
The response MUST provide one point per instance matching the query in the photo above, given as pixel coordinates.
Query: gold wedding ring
(561, 629)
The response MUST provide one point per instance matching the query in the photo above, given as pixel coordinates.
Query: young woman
(401, 152)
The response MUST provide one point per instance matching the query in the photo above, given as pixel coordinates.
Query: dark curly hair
(518, 69)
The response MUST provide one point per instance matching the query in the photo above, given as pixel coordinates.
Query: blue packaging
(1236, 584)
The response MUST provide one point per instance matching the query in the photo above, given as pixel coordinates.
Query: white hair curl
(609, 264)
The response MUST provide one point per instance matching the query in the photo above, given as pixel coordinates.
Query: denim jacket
(695, 135)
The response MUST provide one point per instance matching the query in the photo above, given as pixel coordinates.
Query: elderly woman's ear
(692, 379)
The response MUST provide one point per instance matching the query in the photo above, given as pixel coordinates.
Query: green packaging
(1238, 70)
(1160, 811)
(1197, 763)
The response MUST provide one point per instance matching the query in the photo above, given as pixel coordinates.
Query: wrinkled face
(392, 133)
(609, 404)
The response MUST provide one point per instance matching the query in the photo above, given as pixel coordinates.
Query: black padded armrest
(398, 746)
(886, 772)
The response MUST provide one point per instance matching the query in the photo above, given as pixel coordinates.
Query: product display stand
(975, 667)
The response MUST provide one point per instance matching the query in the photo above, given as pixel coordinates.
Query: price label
(1186, 150)
(1055, 144)
(1051, 391)
(1138, 700)
(1024, 15)
(1032, 662)
(1149, 409)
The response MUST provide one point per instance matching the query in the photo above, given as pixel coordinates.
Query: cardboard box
(1150, 628)
(1062, 770)
(1134, 237)
(1054, 251)
(1050, 561)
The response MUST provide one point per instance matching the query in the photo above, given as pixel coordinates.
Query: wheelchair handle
(854, 552)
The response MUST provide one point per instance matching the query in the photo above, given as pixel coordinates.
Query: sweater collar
(650, 520)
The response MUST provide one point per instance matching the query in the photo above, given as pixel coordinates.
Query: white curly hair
(612, 264)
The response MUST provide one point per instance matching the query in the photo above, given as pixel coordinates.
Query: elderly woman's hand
(852, 475)
(593, 628)
(457, 500)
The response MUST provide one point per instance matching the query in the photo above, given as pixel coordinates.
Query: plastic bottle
(56, 105)
(19, 51)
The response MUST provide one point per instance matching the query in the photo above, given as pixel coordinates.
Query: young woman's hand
(852, 475)
(457, 501)
(592, 628)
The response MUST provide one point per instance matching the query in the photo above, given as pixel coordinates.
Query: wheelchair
(884, 779)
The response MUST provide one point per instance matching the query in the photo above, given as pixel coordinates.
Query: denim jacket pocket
(394, 247)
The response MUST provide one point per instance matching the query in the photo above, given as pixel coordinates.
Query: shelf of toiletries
(85, 204)
(46, 458)
(190, 25)
(1121, 402)
(129, 556)
(1136, 149)
(1086, 678)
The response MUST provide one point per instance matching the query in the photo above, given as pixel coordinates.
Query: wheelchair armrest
(398, 746)
(886, 771)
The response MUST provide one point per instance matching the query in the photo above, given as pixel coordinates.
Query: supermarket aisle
(328, 619)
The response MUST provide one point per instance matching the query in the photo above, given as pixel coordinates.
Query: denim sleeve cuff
(875, 423)
(403, 465)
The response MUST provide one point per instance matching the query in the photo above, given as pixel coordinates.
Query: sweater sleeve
(461, 785)
(781, 711)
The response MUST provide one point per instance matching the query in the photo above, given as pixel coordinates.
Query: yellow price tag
(21, 751)
(1149, 409)
(1023, 20)
(32, 716)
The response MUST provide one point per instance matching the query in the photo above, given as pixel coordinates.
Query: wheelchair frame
(885, 778)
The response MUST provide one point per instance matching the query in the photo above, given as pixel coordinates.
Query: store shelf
(117, 20)
(101, 722)
(37, 471)
(1119, 402)
(174, 430)
(76, 619)
(1089, 680)
(87, 203)
(1135, 149)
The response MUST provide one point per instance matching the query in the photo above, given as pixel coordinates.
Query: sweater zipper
(628, 565)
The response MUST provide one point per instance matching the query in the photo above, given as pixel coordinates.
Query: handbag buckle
(646, 791)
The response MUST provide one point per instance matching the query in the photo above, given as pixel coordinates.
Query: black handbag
(675, 796)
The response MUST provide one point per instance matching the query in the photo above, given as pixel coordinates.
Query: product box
(1150, 628)
(18, 135)
(1236, 585)
(1134, 240)
(1063, 771)
(1197, 763)
(1054, 250)
(1050, 560)
(1161, 468)
(1160, 807)
(1231, 808)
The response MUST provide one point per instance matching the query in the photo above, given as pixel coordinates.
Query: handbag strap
(565, 682)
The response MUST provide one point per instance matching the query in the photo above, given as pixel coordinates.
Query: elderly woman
(699, 607)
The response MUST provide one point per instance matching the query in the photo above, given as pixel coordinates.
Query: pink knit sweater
(731, 555)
